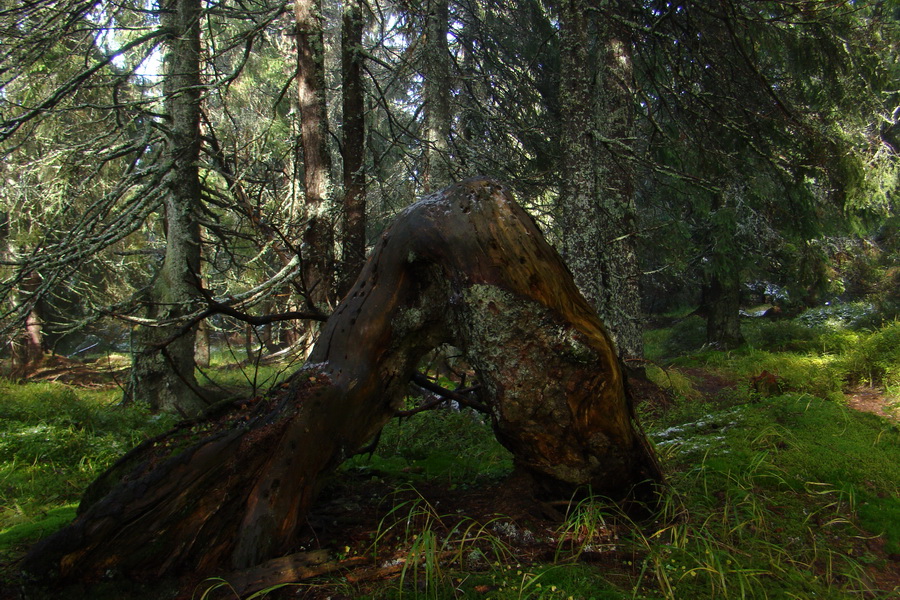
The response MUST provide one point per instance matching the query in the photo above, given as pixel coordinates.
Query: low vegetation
(779, 488)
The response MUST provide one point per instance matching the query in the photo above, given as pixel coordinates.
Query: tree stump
(465, 266)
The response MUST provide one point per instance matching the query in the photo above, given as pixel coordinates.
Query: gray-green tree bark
(437, 95)
(466, 265)
(162, 372)
(597, 179)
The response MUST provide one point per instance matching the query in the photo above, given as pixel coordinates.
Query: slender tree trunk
(318, 238)
(265, 332)
(162, 372)
(27, 346)
(353, 242)
(437, 95)
(597, 187)
(467, 265)
(202, 350)
(33, 341)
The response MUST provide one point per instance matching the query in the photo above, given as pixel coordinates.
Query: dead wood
(466, 265)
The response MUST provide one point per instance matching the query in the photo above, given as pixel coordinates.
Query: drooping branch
(217, 307)
(466, 264)
(448, 394)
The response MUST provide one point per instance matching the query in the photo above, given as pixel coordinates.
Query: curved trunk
(467, 265)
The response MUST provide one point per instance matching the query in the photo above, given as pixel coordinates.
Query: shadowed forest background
(190, 188)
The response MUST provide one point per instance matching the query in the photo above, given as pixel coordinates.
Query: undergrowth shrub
(781, 335)
(679, 384)
(838, 341)
(850, 314)
(876, 359)
(820, 376)
(687, 335)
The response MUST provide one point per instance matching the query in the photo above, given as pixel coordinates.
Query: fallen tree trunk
(466, 266)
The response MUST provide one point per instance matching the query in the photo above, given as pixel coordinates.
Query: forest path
(875, 401)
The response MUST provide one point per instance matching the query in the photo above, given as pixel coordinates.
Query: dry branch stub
(466, 265)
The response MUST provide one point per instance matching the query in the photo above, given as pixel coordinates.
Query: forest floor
(528, 528)
(782, 496)
(864, 398)
(102, 373)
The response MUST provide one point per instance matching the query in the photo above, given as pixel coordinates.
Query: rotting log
(467, 266)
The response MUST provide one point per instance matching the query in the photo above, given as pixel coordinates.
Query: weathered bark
(318, 238)
(353, 242)
(465, 265)
(164, 376)
(597, 190)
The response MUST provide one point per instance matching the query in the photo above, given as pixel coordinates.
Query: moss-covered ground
(776, 491)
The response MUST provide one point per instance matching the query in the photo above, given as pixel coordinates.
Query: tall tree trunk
(437, 95)
(353, 242)
(318, 239)
(467, 265)
(721, 299)
(597, 189)
(722, 305)
(162, 372)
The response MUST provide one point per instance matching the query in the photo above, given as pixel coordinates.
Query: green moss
(35, 528)
(880, 515)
